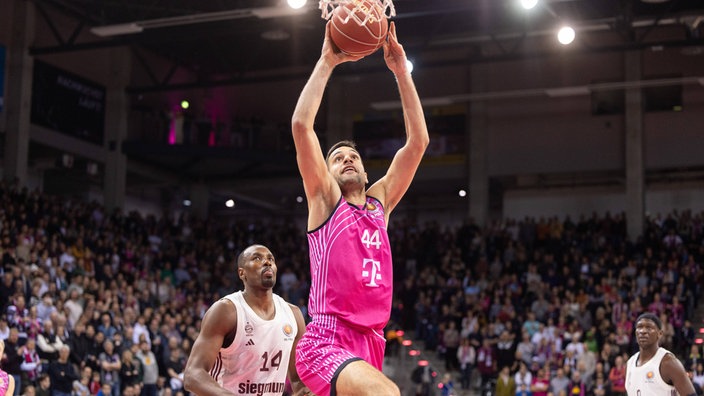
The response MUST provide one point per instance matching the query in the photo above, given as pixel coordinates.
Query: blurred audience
(123, 294)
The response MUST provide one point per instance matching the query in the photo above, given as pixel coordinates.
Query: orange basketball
(354, 39)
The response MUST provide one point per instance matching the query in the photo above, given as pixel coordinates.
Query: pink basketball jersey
(351, 266)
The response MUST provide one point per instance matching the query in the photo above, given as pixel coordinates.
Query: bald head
(242, 258)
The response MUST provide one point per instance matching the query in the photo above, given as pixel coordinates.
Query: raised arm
(321, 190)
(391, 188)
(219, 321)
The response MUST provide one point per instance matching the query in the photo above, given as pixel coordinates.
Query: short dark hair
(341, 143)
(650, 316)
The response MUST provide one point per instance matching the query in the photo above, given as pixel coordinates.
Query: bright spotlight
(299, 199)
(186, 202)
(409, 66)
(185, 104)
(230, 203)
(566, 35)
(296, 4)
(529, 4)
(462, 193)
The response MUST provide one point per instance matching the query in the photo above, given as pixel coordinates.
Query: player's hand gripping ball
(354, 39)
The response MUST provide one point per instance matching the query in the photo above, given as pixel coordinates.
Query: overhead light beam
(116, 30)
(139, 26)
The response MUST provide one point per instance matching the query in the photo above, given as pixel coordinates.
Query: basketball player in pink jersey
(351, 268)
(247, 339)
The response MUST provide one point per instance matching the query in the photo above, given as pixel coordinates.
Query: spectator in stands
(110, 365)
(12, 359)
(447, 386)
(43, 385)
(174, 369)
(81, 386)
(150, 369)
(694, 358)
(73, 307)
(17, 314)
(617, 377)
(505, 383)
(451, 340)
(31, 364)
(48, 343)
(62, 373)
(466, 357)
(486, 362)
(523, 379)
(130, 371)
(95, 348)
(541, 382)
(559, 383)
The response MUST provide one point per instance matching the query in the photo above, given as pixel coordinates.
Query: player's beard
(353, 180)
(269, 282)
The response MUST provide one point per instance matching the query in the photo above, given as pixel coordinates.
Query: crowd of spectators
(549, 303)
(110, 303)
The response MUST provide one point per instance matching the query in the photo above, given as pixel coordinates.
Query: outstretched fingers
(394, 55)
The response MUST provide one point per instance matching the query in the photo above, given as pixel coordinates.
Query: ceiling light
(566, 35)
(529, 4)
(296, 4)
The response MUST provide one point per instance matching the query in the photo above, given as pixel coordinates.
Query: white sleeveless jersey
(256, 363)
(646, 380)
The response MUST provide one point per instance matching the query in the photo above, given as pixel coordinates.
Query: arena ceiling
(230, 42)
(234, 41)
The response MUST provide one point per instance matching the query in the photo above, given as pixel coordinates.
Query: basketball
(354, 39)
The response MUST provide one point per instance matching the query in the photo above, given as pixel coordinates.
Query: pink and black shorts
(328, 346)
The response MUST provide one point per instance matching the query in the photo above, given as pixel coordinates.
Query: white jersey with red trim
(645, 380)
(256, 363)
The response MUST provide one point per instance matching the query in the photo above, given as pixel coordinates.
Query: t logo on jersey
(374, 275)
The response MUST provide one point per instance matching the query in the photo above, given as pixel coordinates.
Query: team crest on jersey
(649, 377)
(288, 330)
(249, 329)
(371, 206)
